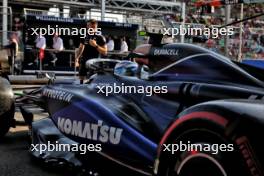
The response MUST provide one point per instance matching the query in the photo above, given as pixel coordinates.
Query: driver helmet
(126, 68)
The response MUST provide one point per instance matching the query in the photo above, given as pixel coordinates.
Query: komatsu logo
(57, 95)
(92, 131)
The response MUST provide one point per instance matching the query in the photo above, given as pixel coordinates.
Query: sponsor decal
(232, 1)
(57, 95)
(57, 19)
(123, 25)
(92, 131)
(170, 52)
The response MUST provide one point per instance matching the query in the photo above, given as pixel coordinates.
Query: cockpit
(176, 62)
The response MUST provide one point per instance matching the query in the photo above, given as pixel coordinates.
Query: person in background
(110, 44)
(57, 46)
(257, 49)
(92, 46)
(57, 43)
(211, 45)
(124, 46)
(261, 39)
(41, 46)
(13, 50)
(40, 42)
(71, 44)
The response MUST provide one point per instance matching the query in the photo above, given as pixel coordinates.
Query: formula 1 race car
(189, 112)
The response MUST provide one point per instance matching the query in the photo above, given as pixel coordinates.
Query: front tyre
(7, 106)
(6, 121)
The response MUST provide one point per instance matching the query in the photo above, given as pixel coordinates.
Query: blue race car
(189, 112)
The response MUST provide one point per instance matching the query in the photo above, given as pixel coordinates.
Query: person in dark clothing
(92, 46)
(13, 50)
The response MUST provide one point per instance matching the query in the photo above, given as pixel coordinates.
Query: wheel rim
(199, 164)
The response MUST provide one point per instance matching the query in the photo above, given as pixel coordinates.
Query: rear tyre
(210, 161)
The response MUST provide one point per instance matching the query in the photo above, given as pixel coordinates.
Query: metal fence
(6, 22)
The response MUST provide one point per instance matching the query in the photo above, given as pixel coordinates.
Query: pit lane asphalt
(14, 156)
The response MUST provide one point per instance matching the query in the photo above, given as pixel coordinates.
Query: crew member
(110, 44)
(92, 46)
(124, 46)
(57, 46)
(40, 42)
(13, 50)
(41, 46)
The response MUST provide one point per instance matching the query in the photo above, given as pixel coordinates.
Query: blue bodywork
(130, 126)
(259, 63)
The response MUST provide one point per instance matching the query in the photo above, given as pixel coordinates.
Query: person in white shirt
(57, 43)
(57, 46)
(110, 44)
(124, 46)
(40, 42)
(40, 45)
